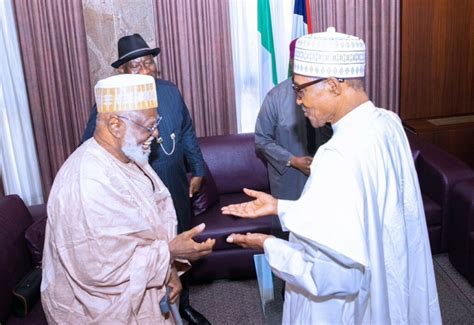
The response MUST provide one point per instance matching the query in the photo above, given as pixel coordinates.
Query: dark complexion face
(143, 125)
(143, 65)
(314, 101)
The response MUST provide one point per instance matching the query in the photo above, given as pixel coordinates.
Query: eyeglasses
(299, 88)
(147, 63)
(150, 130)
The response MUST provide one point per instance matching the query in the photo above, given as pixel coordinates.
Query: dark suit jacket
(171, 168)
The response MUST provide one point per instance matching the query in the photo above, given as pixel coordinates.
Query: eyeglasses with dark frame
(150, 130)
(299, 88)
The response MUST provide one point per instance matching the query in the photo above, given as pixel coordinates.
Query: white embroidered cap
(330, 54)
(125, 92)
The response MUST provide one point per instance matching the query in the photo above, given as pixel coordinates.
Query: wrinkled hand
(249, 240)
(302, 163)
(183, 246)
(175, 284)
(264, 205)
(194, 185)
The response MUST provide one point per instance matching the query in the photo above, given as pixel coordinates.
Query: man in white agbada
(111, 248)
(358, 251)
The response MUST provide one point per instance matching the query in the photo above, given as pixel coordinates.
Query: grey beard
(135, 152)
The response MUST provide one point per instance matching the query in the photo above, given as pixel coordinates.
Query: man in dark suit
(175, 147)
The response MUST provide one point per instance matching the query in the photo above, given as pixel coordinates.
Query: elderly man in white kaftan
(358, 251)
(108, 254)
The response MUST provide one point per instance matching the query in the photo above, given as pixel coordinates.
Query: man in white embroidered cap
(111, 252)
(358, 251)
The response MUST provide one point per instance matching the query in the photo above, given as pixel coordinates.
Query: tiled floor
(238, 302)
(456, 295)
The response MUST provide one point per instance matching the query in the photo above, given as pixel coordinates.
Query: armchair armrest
(438, 172)
(38, 211)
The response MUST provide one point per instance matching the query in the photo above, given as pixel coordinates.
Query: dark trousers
(183, 212)
(184, 297)
(173, 176)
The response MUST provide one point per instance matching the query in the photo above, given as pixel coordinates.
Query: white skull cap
(125, 92)
(330, 54)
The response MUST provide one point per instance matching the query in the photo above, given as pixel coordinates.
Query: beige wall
(108, 20)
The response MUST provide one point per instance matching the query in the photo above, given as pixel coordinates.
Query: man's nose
(143, 70)
(156, 133)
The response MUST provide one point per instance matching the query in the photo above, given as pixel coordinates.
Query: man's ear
(115, 126)
(334, 85)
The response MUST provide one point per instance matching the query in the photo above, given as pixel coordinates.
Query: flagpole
(308, 17)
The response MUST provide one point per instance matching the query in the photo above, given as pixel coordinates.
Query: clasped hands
(263, 205)
(302, 163)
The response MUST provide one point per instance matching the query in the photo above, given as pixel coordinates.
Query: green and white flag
(268, 69)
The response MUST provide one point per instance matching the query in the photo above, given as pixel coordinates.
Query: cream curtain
(19, 169)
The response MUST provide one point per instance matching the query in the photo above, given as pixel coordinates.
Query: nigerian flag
(268, 71)
(301, 19)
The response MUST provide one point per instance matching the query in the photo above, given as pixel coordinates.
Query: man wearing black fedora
(175, 148)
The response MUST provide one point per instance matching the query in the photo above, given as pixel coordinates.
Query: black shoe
(192, 316)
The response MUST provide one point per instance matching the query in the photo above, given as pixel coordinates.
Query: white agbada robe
(106, 257)
(359, 251)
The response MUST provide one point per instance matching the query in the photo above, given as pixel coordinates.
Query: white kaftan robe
(359, 250)
(106, 256)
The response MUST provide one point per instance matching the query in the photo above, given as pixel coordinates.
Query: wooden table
(454, 134)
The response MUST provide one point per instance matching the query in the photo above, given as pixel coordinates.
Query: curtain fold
(19, 171)
(378, 24)
(54, 54)
(196, 55)
(245, 61)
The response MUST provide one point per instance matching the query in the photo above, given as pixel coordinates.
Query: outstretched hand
(249, 240)
(183, 246)
(263, 205)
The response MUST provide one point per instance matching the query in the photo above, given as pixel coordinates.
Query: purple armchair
(438, 173)
(461, 229)
(233, 165)
(15, 257)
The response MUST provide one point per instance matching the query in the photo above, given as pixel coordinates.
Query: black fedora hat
(131, 47)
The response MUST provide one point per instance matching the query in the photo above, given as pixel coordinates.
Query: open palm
(263, 205)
